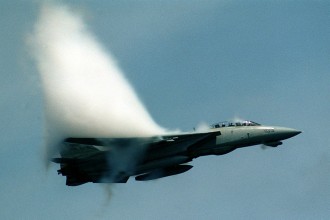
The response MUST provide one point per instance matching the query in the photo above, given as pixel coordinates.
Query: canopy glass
(233, 124)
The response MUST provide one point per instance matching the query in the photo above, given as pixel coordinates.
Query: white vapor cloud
(85, 93)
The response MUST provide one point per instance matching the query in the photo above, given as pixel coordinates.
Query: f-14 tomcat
(115, 160)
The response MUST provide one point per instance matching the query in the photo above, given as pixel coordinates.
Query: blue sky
(190, 62)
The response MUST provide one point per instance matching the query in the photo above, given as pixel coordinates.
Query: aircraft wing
(116, 159)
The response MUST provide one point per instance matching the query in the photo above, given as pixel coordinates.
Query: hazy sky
(190, 62)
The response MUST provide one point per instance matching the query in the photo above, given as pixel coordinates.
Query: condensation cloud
(85, 93)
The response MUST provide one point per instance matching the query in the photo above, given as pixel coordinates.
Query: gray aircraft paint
(99, 159)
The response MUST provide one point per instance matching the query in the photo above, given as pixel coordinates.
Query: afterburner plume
(85, 93)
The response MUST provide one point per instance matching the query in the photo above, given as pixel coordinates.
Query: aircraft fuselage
(101, 159)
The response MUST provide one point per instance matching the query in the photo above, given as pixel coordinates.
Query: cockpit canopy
(233, 124)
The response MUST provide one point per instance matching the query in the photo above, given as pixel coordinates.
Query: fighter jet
(115, 160)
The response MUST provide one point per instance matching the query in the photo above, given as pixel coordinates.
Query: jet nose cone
(293, 132)
(288, 132)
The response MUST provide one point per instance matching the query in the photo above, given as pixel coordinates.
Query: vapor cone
(85, 93)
